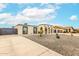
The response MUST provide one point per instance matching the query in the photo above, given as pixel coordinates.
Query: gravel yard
(66, 45)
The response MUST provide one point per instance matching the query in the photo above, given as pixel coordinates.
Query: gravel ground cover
(66, 45)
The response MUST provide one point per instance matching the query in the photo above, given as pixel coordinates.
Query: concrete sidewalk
(19, 46)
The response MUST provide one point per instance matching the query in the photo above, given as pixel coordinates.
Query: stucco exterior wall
(30, 29)
(19, 29)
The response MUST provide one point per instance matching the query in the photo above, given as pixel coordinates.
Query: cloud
(5, 15)
(2, 6)
(36, 13)
(74, 18)
(30, 15)
(36, 16)
(45, 11)
(7, 18)
(18, 19)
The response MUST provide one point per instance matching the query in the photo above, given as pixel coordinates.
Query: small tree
(41, 31)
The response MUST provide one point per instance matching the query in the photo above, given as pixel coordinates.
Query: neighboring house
(57, 29)
(4, 31)
(69, 29)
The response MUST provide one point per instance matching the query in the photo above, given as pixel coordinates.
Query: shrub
(57, 36)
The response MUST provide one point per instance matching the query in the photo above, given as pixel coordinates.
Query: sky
(65, 14)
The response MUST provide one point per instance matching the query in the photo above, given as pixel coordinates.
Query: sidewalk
(19, 46)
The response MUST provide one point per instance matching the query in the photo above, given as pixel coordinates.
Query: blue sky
(12, 14)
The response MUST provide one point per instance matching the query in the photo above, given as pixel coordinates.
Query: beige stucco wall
(19, 29)
(30, 29)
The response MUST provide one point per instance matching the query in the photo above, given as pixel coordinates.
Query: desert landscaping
(67, 44)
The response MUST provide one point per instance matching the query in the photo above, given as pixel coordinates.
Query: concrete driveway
(14, 45)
